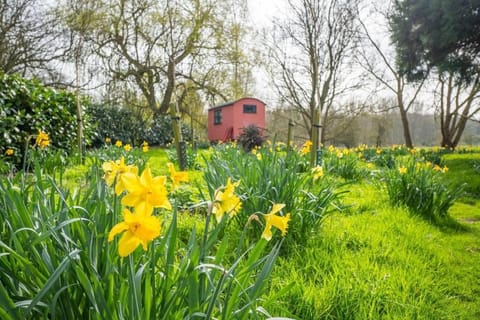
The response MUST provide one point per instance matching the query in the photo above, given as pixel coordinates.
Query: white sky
(263, 11)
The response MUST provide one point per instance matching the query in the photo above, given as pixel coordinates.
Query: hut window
(217, 116)
(249, 108)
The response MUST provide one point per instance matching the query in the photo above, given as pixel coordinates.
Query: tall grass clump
(418, 186)
(270, 175)
(344, 163)
(60, 258)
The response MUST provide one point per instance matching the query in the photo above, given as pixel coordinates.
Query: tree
(383, 68)
(28, 39)
(454, 102)
(311, 47)
(443, 36)
(154, 46)
(437, 33)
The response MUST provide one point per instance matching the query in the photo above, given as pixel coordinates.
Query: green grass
(375, 262)
(464, 169)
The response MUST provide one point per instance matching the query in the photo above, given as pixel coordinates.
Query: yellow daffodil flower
(273, 220)
(317, 172)
(145, 191)
(118, 143)
(444, 169)
(108, 140)
(138, 228)
(114, 170)
(177, 176)
(127, 147)
(402, 170)
(9, 152)
(306, 147)
(42, 139)
(226, 202)
(145, 146)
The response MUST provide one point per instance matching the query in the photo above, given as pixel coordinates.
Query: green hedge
(130, 126)
(27, 106)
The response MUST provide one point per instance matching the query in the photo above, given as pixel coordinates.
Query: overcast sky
(263, 11)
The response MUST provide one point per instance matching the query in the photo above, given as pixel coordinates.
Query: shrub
(131, 126)
(251, 137)
(26, 107)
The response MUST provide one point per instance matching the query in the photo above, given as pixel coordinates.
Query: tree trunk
(406, 128)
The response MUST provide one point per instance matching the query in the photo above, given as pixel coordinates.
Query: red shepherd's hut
(226, 121)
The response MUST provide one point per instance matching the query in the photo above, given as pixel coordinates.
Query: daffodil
(139, 228)
(9, 152)
(114, 170)
(42, 139)
(118, 143)
(127, 147)
(145, 146)
(317, 172)
(145, 191)
(226, 202)
(402, 170)
(273, 220)
(306, 147)
(108, 140)
(177, 176)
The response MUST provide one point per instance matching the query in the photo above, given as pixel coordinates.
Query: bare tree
(381, 65)
(309, 50)
(155, 46)
(455, 105)
(28, 36)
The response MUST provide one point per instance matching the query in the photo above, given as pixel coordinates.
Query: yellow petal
(132, 200)
(127, 244)
(218, 211)
(281, 223)
(146, 177)
(119, 187)
(276, 208)
(267, 232)
(148, 229)
(118, 228)
(131, 182)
